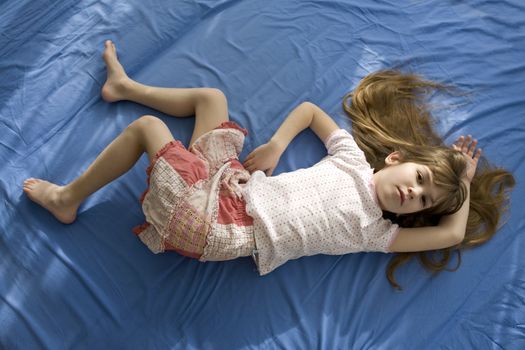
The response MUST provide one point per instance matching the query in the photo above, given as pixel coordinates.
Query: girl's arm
(451, 228)
(303, 116)
(266, 156)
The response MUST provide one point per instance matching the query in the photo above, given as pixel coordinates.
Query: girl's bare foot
(51, 197)
(117, 79)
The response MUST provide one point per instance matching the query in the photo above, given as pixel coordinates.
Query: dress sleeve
(341, 143)
(381, 235)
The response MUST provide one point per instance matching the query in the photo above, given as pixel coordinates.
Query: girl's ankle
(67, 196)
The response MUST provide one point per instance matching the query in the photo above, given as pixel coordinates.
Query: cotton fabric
(194, 204)
(329, 208)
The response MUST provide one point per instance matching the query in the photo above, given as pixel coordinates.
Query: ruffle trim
(232, 125)
(159, 154)
(137, 230)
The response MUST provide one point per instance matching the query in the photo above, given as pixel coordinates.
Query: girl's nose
(414, 192)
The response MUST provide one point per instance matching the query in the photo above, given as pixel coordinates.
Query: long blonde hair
(389, 112)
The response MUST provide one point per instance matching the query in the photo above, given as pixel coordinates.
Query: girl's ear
(393, 158)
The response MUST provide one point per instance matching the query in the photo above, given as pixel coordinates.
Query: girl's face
(404, 188)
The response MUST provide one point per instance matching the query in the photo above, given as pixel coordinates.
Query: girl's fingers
(252, 155)
(467, 145)
(464, 148)
(247, 163)
(478, 154)
(459, 143)
(472, 147)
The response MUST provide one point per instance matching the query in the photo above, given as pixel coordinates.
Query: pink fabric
(193, 203)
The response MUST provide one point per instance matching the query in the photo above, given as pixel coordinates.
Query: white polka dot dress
(329, 208)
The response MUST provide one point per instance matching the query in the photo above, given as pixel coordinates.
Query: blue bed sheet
(94, 285)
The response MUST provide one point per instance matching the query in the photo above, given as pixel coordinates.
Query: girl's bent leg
(147, 134)
(209, 105)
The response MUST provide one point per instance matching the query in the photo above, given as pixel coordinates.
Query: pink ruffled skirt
(193, 204)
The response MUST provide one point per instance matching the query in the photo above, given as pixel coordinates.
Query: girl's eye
(419, 178)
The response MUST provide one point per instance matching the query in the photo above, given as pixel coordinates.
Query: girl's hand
(467, 146)
(264, 158)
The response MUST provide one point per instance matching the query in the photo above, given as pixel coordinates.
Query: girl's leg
(209, 105)
(146, 134)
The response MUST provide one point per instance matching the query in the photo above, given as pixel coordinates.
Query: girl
(203, 203)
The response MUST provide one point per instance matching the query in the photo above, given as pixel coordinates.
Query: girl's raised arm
(451, 228)
(266, 156)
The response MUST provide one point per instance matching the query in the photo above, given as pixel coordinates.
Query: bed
(94, 285)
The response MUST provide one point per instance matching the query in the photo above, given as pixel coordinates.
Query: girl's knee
(151, 132)
(143, 125)
(214, 96)
(150, 119)
(146, 121)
